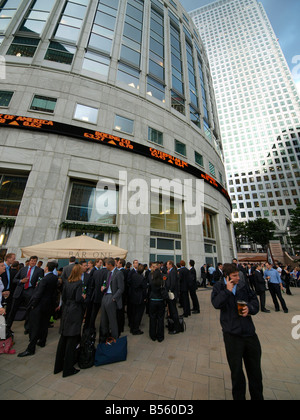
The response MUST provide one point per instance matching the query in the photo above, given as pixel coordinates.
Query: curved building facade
(108, 124)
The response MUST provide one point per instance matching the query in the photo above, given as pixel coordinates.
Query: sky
(284, 18)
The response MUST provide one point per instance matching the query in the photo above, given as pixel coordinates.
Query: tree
(240, 231)
(295, 228)
(261, 231)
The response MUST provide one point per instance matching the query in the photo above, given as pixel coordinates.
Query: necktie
(28, 275)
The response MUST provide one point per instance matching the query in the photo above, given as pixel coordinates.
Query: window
(86, 114)
(42, 103)
(199, 159)
(123, 124)
(91, 204)
(23, 47)
(165, 213)
(7, 12)
(208, 226)
(212, 169)
(60, 53)
(96, 63)
(71, 20)
(129, 75)
(156, 89)
(5, 98)
(11, 193)
(37, 17)
(180, 147)
(155, 136)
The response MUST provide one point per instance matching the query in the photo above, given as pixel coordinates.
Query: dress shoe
(266, 311)
(196, 312)
(25, 353)
(139, 332)
(74, 371)
(41, 344)
(286, 311)
(174, 332)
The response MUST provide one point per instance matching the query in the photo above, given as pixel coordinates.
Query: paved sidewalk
(189, 366)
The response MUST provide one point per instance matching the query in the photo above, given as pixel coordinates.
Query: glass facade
(258, 106)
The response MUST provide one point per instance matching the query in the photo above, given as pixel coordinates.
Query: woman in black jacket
(156, 306)
(73, 298)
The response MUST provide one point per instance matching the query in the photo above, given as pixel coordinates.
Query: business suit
(67, 270)
(70, 328)
(137, 295)
(173, 286)
(22, 296)
(112, 300)
(193, 288)
(260, 288)
(7, 280)
(42, 305)
(184, 283)
(96, 282)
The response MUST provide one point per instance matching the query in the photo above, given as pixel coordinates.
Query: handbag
(171, 295)
(112, 351)
(6, 346)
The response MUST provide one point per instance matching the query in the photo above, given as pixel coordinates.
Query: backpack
(86, 358)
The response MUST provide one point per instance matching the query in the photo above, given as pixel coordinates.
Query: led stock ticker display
(81, 133)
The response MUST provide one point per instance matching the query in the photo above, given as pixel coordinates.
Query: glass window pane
(123, 124)
(90, 204)
(5, 98)
(86, 114)
(42, 103)
(11, 194)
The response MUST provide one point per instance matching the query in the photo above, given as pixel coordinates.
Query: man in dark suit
(184, 282)
(25, 281)
(173, 286)
(7, 280)
(96, 282)
(260, 287)
(193, 288)
(113, 289)
(41, 307)
(68, 269)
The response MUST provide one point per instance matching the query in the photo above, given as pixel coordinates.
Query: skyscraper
(259, 110)
(108, 123)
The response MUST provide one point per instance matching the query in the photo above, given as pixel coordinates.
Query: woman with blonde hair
(73, 310)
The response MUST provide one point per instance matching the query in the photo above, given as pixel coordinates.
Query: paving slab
(184, 367)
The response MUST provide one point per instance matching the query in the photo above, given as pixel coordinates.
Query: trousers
(247, 349)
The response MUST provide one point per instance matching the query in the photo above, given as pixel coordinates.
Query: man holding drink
(237, 303)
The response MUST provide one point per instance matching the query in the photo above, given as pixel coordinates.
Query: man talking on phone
(241, 341)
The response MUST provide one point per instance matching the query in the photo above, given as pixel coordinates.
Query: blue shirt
(274, 276)
(234, 288)
(7, 268)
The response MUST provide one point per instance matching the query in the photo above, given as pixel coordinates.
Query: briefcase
(112, 351)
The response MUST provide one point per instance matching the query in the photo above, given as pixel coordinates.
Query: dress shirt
(274, 276)
(234, 288)
(7, 268)
(1, 289)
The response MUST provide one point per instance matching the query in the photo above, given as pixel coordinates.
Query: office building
(259, 110)
(102, 97)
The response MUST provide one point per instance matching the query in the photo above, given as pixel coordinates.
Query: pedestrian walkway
(188, 366)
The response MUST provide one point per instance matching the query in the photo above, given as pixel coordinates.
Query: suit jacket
(117, 286)
(259, 281)
(67, 271)
(45, 293)
(96, 283)
(184, 279)
(21, 274)
(138, 289)
(172, 282)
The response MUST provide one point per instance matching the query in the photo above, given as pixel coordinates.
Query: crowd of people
(77, 293)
